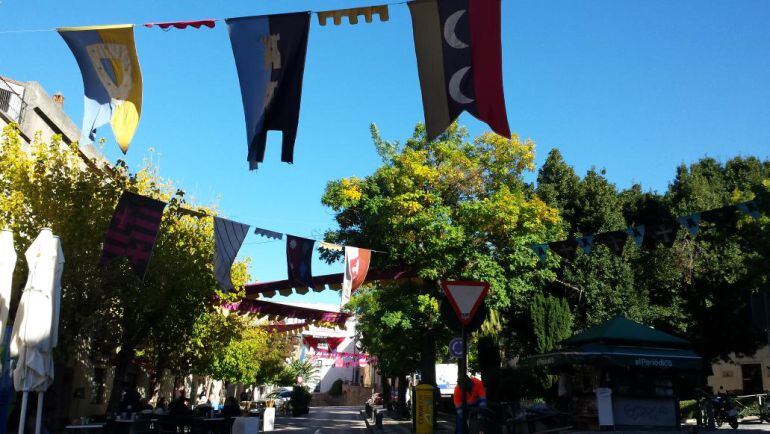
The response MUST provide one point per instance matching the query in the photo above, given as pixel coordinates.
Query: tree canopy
(452, 208)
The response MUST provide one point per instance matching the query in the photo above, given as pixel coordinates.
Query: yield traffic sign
(465, 298)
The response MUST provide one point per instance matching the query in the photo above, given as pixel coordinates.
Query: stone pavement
(323, 420)
(392, 425)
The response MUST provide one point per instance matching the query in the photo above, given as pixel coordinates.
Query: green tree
(107, 312)
(449, 209)
(680, 289)
(551, 322)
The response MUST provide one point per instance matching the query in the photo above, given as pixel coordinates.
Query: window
(5, 100)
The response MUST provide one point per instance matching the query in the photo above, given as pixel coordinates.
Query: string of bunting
(136, 222)
(662, 232)
(457, 43)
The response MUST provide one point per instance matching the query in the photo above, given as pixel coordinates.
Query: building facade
(747, 375)
(29, 106)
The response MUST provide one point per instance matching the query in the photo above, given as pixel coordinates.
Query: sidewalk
(391, 425)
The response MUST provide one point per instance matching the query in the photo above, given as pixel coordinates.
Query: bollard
(378, 419)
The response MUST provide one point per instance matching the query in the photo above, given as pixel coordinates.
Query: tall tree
(107, 312)
(449, 209)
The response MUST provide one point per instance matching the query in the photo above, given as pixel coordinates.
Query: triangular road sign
(465, 298)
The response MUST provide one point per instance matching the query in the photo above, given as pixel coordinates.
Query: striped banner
(229, 236)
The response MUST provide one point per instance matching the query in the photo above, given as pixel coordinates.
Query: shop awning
(616, 355)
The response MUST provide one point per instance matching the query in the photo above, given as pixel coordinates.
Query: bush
(336, 389)
(300, 400)
(688, 409)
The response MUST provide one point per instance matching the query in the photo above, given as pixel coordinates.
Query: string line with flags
(661, 232)
(136, 222)
(457, 44)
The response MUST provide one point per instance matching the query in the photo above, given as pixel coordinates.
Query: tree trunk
(125, 356)
(401, 410)
(489, 364)
(428, 358)
(156, 382)
(385, 390)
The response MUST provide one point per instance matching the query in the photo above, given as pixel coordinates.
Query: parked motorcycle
(724, 411)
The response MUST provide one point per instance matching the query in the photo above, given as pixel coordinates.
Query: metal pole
(464, 375)
(23, 416)
(39, 418)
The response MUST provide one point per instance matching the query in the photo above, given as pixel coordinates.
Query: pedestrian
(475, 397)
(131, 399)
(231, 408)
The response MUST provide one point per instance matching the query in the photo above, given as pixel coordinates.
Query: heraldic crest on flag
(356, 267)
(133, 230)
(112, 79)
(459, 61)
(269, 55)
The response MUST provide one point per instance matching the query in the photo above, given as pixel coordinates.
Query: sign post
(465, 298)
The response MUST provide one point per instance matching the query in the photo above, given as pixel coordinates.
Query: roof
(620, 329)
(619, 355)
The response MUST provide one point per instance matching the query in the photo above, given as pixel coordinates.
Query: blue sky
(635, 87)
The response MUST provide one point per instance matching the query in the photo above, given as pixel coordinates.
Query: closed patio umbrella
(35, 330)
(7, 264)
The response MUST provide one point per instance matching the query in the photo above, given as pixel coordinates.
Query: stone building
(746, 375)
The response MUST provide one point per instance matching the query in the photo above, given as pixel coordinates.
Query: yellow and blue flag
(112, 80)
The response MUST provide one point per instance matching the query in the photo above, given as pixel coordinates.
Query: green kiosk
(621, 375)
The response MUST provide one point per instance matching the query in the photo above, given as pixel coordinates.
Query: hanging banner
(268, 234)
(566, 249)
(228, 237)
(586, 243)
(459, 62)
(299, 257)
(330, 246)
(133, 230)
(722, 216)
(615, 240)
(541, 250)
(356, 266)
(750, 208)
(660, 233)
(270, 58)
(353, 14)
(112, 79)
(183, 24)
(637, 234)
(690, 222)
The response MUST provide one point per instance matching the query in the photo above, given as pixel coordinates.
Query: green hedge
(336, 389)
(688, 409)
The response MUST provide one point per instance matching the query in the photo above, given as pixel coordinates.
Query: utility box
(423, 409)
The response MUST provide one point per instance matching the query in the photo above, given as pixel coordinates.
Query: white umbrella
(35, 330)
(7, 264)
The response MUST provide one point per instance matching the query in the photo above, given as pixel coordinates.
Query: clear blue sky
(636, 87)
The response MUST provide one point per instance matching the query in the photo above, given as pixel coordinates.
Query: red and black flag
(459, 60)
(133, 230)
(299, 256)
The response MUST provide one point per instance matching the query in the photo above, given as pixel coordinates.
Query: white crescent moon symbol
(449, 31)
(454, 86)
